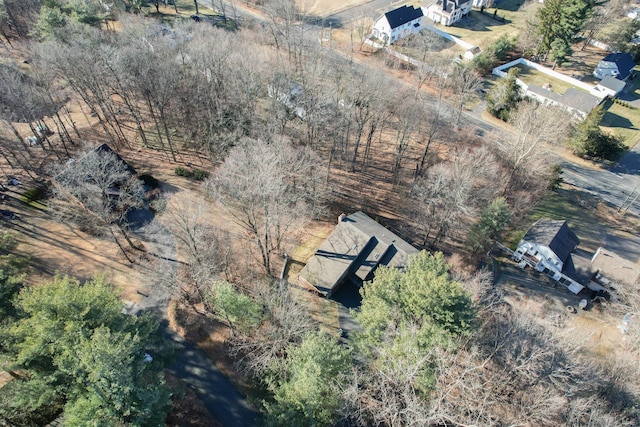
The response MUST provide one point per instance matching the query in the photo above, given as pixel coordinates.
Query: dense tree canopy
(80, 354)
(591, 141)
(308, 391)
(559, 21)
(423, 294)
(504, 96)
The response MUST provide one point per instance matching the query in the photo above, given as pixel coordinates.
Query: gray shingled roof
(402, 15)
(573, 98)
(612, 83)
(355, 248)
(555, 234)
(579, 100)
(545, 92)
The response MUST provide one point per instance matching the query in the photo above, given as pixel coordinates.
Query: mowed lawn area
(623, 122)
(587, 216)
(531, 76)
(482, 29)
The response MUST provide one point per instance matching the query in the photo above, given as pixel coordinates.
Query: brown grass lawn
(482, 29)
(532, 76)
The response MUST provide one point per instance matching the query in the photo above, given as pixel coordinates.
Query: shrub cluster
(197, 174)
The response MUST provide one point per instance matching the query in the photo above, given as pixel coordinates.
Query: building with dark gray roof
(354, 250)
(398, 23)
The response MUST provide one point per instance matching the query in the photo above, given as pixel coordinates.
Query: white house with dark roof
(356, 247)
(447, 12)
(397, 24)
(619, 65)
(547, 247)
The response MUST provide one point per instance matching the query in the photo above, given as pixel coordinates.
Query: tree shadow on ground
(481, 21)
(330, 22)
(510, 5)
(616, 121)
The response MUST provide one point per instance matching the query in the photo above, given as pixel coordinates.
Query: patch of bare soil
(594, 330)
(187, 410)
(56, 248)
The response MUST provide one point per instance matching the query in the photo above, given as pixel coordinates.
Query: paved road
(213, 388)
(618, 186)
(371, 9)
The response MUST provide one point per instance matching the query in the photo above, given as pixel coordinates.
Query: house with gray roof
(611, 86)
(353, 251)
(575, 101)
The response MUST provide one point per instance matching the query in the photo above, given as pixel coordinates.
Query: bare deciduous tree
(535, 125)
(208, 249)
(98, 190)
(465, 82)
(286, 322)
(270, 189)
(451, 192)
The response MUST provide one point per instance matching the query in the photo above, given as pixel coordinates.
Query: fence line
(499, 71)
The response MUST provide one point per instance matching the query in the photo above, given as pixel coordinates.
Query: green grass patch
(34, 196)
(572, 205)
(531, 76)
(623, 122)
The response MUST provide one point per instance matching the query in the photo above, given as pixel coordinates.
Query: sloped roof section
(612, 83)
(623, 60)
(357, 246)
(579, 100)
(403, 15)
(555, 234)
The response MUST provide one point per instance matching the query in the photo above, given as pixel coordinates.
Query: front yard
(623, 122)
(482, 29)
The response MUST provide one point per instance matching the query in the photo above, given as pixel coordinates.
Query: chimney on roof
(444, 5)
(341, 217)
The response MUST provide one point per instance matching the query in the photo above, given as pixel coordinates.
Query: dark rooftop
(623, 60)
(403, 15)
(555, 234)
(353, 251)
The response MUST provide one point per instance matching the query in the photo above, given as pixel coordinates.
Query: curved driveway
(213, 388)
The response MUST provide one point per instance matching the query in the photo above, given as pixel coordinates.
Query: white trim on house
(398, 24)
(448, 12)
